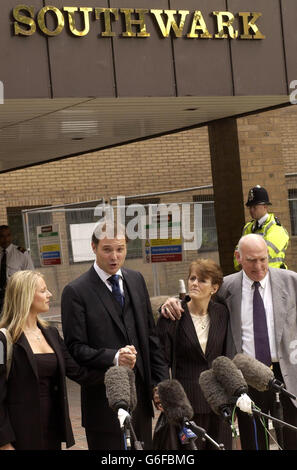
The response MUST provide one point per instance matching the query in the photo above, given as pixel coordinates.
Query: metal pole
(26, 230)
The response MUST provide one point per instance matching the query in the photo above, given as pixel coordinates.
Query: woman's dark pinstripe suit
(191, 361)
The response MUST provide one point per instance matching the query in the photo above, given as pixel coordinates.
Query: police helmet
(257, 195)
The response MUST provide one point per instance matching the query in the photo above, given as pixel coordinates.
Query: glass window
(209, 228)
(134, 247)
(15, 222)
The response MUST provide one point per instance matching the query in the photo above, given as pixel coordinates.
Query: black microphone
(177, 409)
(215, 395)
(175, 402)
(258, 375)
(229, 376)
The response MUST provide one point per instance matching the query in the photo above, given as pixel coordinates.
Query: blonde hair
(19, 295)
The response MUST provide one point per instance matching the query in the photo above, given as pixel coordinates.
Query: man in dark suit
(278, 290)
(107, 320)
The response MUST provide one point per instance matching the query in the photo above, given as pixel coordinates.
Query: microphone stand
(129, 427)
(127, 437)
(278, 412)
(279, 421)
(278, 386)
(196, 429)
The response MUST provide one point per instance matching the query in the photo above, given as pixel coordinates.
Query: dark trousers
(141, 422)
(266, 402)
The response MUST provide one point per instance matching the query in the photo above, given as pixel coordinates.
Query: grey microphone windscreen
(229, 376)
(174, 401)
(213, 391)
(117, 387)
(133, 393)
(257, 374)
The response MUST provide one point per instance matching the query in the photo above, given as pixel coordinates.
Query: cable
(262, 421)
(255, 434)
(233, 427)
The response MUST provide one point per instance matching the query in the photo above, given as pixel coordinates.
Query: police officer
(267, 225)
(12, 258)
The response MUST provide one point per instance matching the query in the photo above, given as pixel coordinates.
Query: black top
(47, 366)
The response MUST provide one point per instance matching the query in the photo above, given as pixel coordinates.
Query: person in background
(200, 337)
(268, 226)
(34, 412)
(13, 258)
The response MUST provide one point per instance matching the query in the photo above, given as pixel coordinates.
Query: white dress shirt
(262, 220)
(17, 259)
(104, 276)
(247, 324)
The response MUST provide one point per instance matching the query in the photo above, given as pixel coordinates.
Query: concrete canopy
(68, 89)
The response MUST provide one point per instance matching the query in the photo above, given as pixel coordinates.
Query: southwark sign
(134, 22)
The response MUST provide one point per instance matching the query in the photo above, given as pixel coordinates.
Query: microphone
(215, 395)
(177, 409)
(121, 395)
(233, 382)
(229, 376)
(175, 402)
(133, 394)
(259, 376)
(179, 412)
(235, 385)
(117, 385)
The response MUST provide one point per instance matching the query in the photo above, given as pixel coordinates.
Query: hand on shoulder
(172, 309)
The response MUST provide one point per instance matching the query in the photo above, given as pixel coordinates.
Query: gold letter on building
(171, 22)
(250, 25)
(199, 24)
(228, 23)
(28, 20)
(107, 20)
(140, 22)
(59, 18)
(71, 18)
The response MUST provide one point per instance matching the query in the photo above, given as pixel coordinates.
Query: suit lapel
(52, 340)
(280, 300)
(213, 328)
(24, 344)
(101, 291)
(189, 329)
(233, 301)
(135, 297)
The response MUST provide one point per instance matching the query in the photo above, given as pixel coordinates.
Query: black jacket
(94, 332)
(190, 359)
(20, 422)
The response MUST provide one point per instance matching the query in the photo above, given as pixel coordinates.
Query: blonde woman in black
(34, 413)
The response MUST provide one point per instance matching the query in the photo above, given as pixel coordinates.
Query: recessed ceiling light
(191, 109)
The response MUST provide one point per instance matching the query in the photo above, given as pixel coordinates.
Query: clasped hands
(127, 356)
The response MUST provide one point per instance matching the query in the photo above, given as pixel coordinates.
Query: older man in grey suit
(277, 343)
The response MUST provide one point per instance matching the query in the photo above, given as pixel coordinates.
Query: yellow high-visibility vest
(276, 238)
